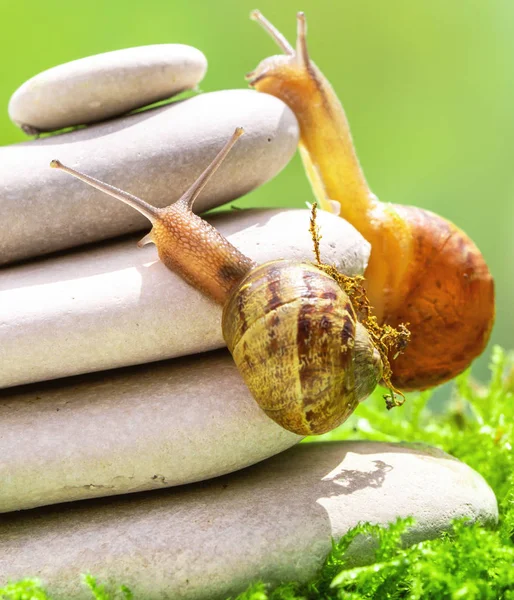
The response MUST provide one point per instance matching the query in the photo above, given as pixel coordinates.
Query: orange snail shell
(447, 298)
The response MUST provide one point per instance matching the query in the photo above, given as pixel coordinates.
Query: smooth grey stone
(106, 85)
(117, 305)
(272, 522)
(156, 154)
(129, 430)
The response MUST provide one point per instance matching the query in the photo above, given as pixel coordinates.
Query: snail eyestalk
(302, 54)
(281, 41)
(389, 341)
(193, 192)
(149, 211)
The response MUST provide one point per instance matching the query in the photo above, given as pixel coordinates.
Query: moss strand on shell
(389, 341)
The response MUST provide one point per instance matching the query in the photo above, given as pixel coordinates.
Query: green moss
(471, 561)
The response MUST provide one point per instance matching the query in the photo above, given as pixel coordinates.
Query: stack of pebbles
(98, 405)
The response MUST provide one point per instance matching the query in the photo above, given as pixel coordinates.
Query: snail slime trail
(290, 327)
(423, 270)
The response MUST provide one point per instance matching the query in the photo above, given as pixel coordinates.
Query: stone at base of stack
(272, 522)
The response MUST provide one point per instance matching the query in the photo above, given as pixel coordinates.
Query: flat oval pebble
(124, 431)
(106, 85)
(273, 522)
(117, 304)
(156, 155)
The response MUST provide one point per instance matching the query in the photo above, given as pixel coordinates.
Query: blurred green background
(428, 86)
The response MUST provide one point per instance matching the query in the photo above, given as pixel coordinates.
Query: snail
(423, 270)
(290, 327)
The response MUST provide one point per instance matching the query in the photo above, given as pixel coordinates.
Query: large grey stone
(272, 522)
(156, 154)
(125, 431)
(118, 305)
(105, 85)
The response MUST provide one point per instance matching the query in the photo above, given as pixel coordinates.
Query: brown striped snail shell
(296, 340)
(290, 327)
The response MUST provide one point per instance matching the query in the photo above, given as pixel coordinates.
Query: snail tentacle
(149, 211)
(302, 54)
(188, 198)
(274, 33)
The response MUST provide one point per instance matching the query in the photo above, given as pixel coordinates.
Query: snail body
(291, 329)
(423, 270)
